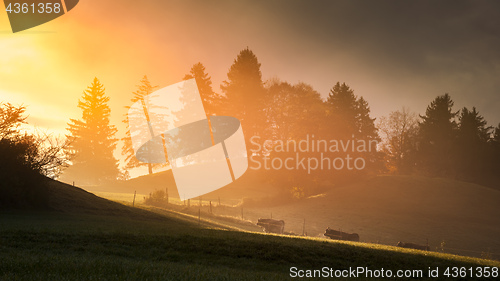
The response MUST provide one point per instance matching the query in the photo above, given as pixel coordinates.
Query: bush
(25, 161)
(156, 198)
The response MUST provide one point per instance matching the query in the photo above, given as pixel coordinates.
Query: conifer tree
(437, 132)
(245, 94)
(471, 150)
(350, 115)
(342, 108)
(143, 89)
(364, 123)
(92, 139)
(212, 101)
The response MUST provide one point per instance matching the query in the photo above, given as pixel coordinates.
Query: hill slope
(89, 238)
(388, 209)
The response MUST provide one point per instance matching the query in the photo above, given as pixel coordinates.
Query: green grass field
(85, 237)
(452, 216)
(55, 246)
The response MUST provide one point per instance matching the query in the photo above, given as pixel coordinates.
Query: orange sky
(392, 55)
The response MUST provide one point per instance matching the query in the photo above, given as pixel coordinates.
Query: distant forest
(441, 142)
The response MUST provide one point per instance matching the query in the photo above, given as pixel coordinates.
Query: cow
(413, 246)
(272, 226)
(339, 235)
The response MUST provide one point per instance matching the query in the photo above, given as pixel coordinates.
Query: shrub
(25, 161)
(156, 198)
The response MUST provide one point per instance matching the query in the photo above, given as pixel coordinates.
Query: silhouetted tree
(11, 117)
(25, 161)
(294, 112)
(437, 133)
(212, 102)
(472, 145)
(342, 107)
(245, 93)
(350, 114)
(92, 139)
(364, 123)
(143, 89)
(399, 133)
(348, 117)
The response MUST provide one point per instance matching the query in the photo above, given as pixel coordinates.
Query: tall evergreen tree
(364, 123)
(437, 132)
(212, 102)
(143, 89)
(343, 109)
(92, 139)
(472, 145)
(349, 116)
(245, 94)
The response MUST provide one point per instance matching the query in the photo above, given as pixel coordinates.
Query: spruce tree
(92, 139)
(364, 123)
(472, 145)
(212, 101)
(349, 114)
(437, 133)
(342, 108)
(143, 89)
(245, 94)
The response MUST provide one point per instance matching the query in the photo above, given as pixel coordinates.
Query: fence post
(199, 216)
(166, 192)
(304, 228)
(219, 201)
(210, 207)
(133, 202)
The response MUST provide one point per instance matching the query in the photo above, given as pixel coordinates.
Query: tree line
(442, 142)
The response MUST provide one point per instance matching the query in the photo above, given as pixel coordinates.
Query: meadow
(452, 216)
(55, 246)
(85, 237)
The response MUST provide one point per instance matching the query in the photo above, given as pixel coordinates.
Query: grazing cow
(339, 235)
(272, 226)
(413, 246)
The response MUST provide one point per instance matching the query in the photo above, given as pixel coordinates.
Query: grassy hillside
(388, 209)
(452, 216)
(89, 238)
